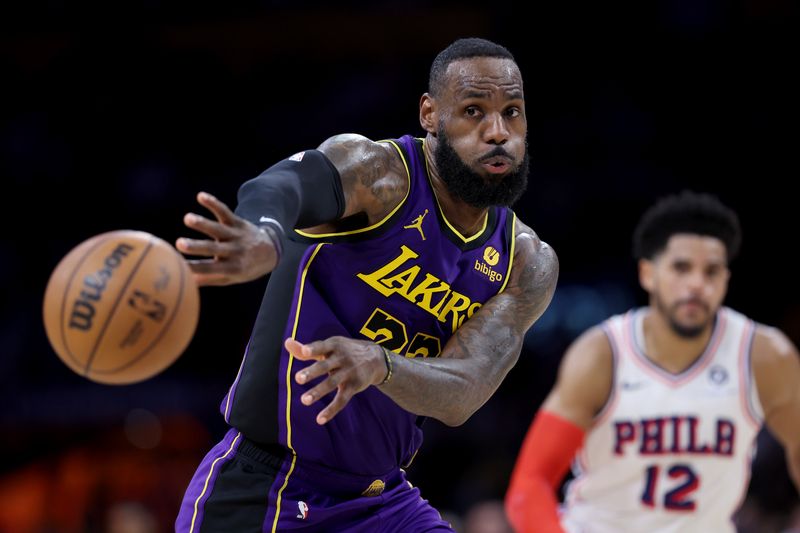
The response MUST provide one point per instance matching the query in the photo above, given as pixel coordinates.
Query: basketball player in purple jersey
(401, 287)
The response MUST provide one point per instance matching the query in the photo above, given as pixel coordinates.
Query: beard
(682, 330)
(473, 188)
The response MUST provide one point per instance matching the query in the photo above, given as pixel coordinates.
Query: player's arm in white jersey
(581, 390)
(776, 367)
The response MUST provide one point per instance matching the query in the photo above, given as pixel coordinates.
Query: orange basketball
(121, 307)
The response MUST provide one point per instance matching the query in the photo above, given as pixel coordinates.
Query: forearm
(544, 458)
(452, 387)
(533, 508)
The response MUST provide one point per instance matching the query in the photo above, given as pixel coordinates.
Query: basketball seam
(164, 329)
(114, 307)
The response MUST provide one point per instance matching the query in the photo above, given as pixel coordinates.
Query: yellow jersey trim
(511, 252)
(289, 389)
(208, 478)
(380, 222)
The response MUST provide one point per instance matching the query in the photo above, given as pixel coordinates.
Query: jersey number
(677, 499)
(384, 329)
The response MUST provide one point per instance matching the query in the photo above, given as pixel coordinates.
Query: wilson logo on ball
(120, 307)
(83, 310)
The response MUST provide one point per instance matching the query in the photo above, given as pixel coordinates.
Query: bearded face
(687, 282)
(476, 189)
(679, 325)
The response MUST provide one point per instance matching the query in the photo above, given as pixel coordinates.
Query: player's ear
(427, 113)
(646, 274)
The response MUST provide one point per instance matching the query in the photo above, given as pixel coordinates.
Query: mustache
(694, 301)
(497, 151)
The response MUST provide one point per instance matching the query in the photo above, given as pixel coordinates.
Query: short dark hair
(687, 212)
(462, 49)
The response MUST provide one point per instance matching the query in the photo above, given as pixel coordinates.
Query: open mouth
(496, 164)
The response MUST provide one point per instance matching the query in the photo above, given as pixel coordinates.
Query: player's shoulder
(356, 147)
(776, 368)
(362, 162)
(771, 346)
(535, 270)
(529, 244)
(586, 373)
(592, 348)
(589, 357)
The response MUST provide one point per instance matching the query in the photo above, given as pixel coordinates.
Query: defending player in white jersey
(658, 409)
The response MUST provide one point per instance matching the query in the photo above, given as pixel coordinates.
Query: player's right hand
(237, 252)
(348, 365)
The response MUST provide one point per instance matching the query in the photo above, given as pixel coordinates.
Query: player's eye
(681, 267)
(472, 111)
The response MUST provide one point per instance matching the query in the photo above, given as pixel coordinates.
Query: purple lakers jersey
(407, 283)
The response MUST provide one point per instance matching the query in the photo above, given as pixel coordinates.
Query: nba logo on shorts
(303, 508)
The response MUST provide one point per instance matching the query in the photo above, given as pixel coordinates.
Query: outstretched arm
(347, 175)
(776, 366)
(473, 363)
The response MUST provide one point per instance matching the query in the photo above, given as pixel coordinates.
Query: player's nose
(496, 130)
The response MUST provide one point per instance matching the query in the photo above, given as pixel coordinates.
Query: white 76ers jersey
(669, 453)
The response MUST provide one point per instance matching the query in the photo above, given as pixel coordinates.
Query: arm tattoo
(374, 179)
(485, 348)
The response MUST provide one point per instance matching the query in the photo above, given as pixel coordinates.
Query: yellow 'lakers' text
(401, 276)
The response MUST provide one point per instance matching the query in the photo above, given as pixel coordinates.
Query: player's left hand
(351, 365)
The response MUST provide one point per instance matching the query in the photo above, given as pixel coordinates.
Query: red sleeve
(544, 459)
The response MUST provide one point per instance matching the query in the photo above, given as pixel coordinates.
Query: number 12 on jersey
(679, 497)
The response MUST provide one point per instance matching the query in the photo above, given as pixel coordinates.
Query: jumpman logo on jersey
(417, 224)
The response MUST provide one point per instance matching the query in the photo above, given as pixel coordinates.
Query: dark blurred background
(116, 114)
